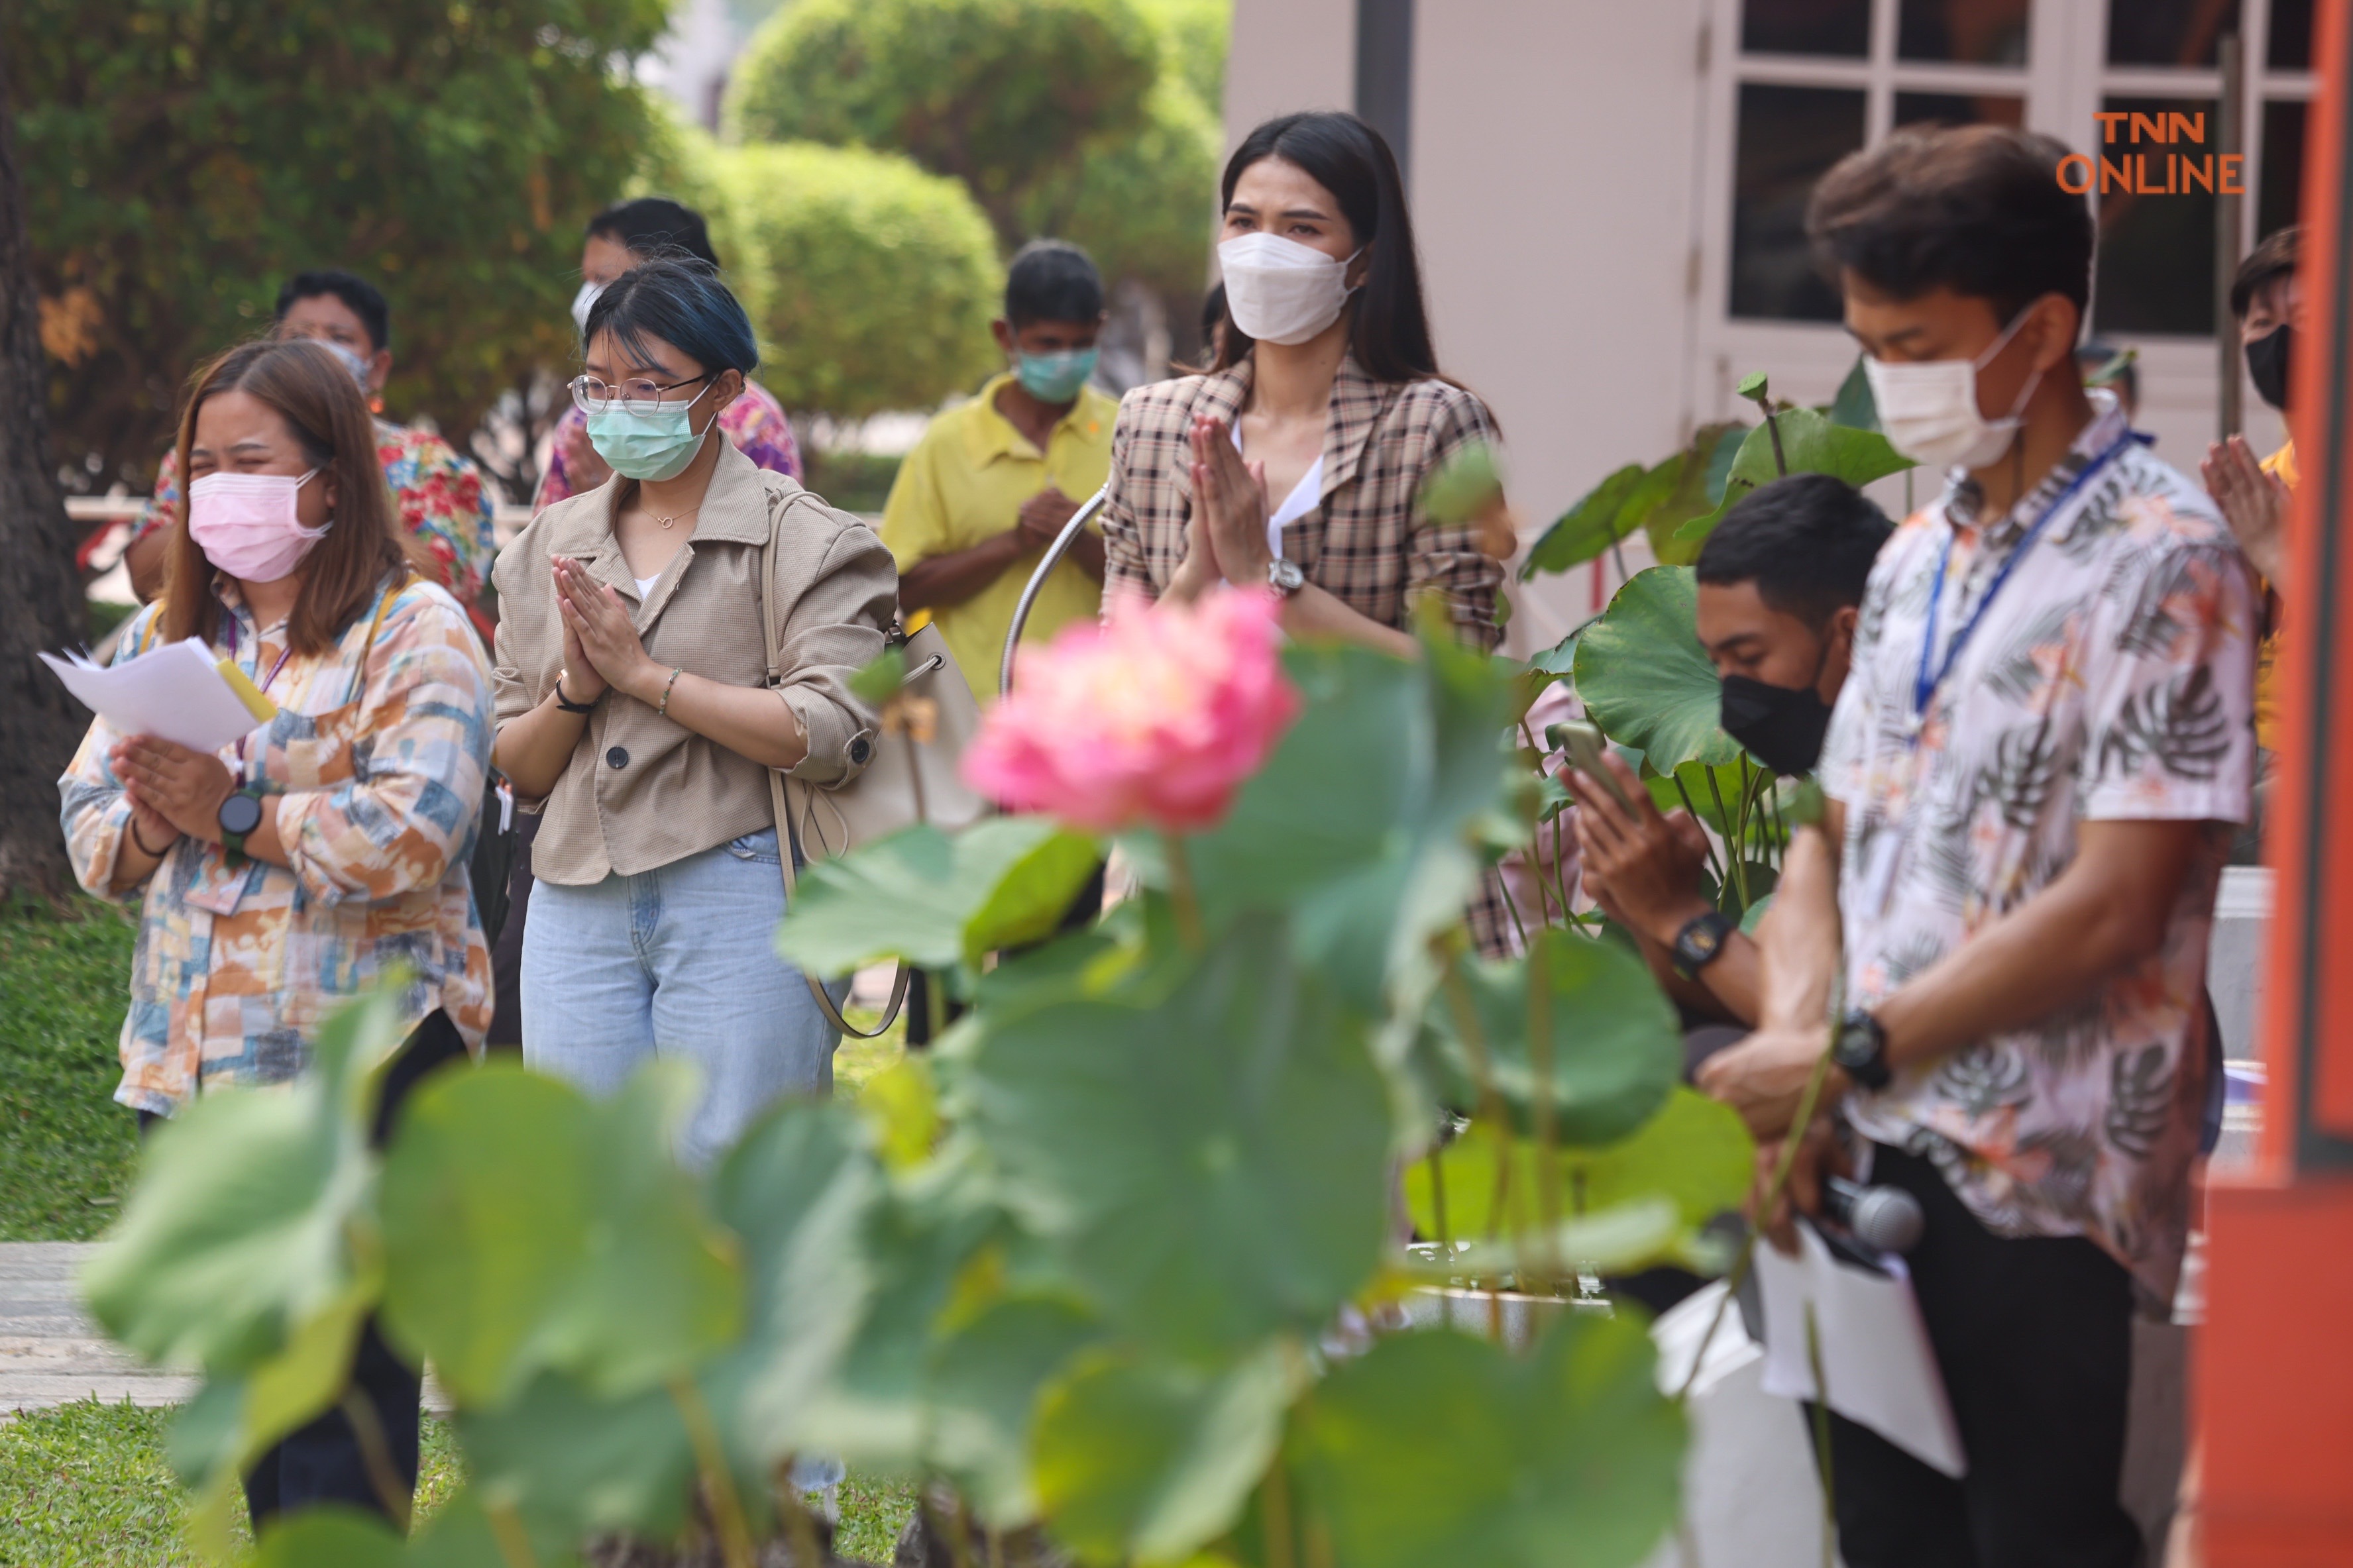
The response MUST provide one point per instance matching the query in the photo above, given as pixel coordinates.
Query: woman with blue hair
(636, 714)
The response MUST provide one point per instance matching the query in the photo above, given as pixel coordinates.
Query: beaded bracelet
(661, 708)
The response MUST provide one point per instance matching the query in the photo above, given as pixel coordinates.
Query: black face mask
(1782, 726)
(2268, 358)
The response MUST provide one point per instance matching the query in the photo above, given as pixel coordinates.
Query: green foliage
(1194, 38)
(179, 161)
(1142, 203)
(1810, 443)
(1615, 1046)
(1082, 1262)
(839, 252)
(1438, 1448)
(936, 901)
(66, 1148)
(1001, 94)
(1656, 500)
(1646, 680)
(1365, 823)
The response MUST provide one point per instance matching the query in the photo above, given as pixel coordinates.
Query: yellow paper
(260, 705)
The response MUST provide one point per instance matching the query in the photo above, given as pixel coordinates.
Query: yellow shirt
(965, 483)
(2281, 464)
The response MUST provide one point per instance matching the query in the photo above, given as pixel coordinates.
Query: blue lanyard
(1924, 684)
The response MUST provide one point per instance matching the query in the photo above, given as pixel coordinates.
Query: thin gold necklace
(673, 517)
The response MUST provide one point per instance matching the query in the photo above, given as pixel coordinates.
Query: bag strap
(787, 842)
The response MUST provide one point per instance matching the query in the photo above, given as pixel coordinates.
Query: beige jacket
(643, 791)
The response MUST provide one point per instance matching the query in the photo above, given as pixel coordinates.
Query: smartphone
(1585, 745)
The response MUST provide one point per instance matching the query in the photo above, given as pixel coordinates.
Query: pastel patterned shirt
(754, 424)
(437, 495)
(2110, 678)
(378, 757)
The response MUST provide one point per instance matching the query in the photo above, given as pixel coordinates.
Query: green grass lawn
(66, 1148)
(86, 1484)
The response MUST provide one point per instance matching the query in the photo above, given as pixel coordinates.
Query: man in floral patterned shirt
(437, 495)
(2031, 774)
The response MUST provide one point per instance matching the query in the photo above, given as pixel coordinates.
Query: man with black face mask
(2268, 304)
(1779, 581)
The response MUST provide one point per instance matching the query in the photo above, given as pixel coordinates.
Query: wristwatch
(1284, 576)
(240, 814)
(1861, 1048)
(1700, 942)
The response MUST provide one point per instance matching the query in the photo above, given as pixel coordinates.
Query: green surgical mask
(647, 446)
(1054, 377)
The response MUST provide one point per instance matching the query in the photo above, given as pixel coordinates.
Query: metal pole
(2231, 133)
(1053, 558)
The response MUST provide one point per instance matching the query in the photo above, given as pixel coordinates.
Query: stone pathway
(51, 1353)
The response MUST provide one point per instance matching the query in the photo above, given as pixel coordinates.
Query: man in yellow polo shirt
(993, 480)
(2267, 300)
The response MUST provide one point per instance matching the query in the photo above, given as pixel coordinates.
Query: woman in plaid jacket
(1307, 443)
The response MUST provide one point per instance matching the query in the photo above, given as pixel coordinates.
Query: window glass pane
(1959, 109)
(2279, 193)
(1966, 32)
(1789, 136)
(2168, 32)
(1806, 27)
(2155, 267)
(2291, 45)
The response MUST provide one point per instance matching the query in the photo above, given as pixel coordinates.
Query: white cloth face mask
(1928, 410)
(1281, 291)
(582, 300)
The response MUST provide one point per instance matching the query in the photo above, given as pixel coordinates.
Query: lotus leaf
(1616, 1046)
(1211, 1167)
(1438, 1448)
(1147, 1461)
(1646, 680)
(527, 1227)
(936, 899)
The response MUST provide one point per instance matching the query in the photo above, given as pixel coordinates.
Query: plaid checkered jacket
(1366, 543)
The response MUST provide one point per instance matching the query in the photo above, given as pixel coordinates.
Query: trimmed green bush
(1142, 205)
(1002, 94)
(871, 282)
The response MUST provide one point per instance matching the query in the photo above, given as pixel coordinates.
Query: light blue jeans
(676, 962)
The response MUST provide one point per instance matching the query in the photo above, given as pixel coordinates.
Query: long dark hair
(1390, 333)
(328, 417)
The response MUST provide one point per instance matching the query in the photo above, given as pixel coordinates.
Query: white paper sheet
(1874, 1347)
(175, 692)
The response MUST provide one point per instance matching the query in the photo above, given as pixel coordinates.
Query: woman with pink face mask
(326, 852)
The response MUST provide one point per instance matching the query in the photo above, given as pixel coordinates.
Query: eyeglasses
(638, 396)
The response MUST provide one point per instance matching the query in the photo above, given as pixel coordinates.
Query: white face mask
(1928, 411)
(1279, 290)
(582, 300)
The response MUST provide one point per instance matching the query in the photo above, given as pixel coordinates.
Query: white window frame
(2063, 81)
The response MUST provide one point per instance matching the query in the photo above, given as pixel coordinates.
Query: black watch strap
(1860, 1049)
(1700, 942)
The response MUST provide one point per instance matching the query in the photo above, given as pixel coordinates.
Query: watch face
(241, 814)
(1704, 942)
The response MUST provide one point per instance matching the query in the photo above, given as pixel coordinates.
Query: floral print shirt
(377, 756)
(755, 423)
(2110, 678)
(437, 495)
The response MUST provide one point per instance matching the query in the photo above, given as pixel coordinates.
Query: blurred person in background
(623, 235)
(2267, 302)
(279, 880)
(437, 496)
(994, 480)
(634, 713)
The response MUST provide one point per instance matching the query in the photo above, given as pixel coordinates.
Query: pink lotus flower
(1156, 716)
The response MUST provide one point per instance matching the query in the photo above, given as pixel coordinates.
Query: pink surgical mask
(247, 525)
